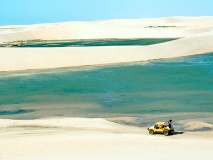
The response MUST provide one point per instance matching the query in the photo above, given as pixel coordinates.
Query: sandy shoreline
(102, 139)
(197, 38)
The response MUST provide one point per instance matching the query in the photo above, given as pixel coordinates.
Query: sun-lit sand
(196, 35)
(79, 138)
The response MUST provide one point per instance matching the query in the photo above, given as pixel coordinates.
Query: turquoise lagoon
(98, 42)
(179, 87)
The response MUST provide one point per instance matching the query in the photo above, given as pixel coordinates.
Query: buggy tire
(166, 132)
(151, 131)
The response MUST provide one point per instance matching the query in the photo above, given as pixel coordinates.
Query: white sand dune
(81, 123)
(73, 139)
(196, 33)
(197, 125)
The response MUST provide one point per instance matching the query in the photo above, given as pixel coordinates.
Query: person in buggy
(169, 123)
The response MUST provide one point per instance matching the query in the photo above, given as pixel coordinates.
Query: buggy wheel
(166, 132)
(151, 131)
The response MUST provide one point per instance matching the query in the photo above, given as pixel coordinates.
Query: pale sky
(46, 11)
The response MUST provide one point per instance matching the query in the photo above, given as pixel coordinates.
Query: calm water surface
(99, 42)
(180, 85)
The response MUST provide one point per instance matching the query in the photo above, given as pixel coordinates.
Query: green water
(173, 86)
(99, 42)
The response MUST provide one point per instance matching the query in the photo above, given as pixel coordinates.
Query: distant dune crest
(196, 35)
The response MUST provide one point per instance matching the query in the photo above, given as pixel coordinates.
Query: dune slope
(196, 33)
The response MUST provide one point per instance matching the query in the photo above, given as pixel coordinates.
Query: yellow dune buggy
(161, 127)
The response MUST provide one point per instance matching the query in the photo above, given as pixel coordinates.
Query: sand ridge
(196, 33)
(105, 140)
